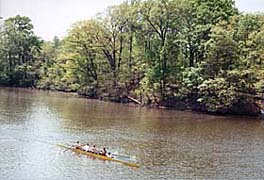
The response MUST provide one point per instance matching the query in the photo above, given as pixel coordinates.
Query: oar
(123, 155)
(67, 144)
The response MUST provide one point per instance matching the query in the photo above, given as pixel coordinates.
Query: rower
(77, 145)
(103, 152)
(93, 149)
(86, 147)
(109, 155)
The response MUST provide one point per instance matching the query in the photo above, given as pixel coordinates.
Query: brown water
(167, 144)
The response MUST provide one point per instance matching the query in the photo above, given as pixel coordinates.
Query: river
(167, 144)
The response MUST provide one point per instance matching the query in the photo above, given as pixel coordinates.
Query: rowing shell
(98, 156)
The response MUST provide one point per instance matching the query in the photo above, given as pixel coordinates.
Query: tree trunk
(130, 50)
(191, 56)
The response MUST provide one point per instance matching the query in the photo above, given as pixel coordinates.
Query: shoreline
(133, 104)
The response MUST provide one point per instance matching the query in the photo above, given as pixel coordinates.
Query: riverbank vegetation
(185, 54)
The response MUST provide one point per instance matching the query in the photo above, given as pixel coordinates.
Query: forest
(183, 54)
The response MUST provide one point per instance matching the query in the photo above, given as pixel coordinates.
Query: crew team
(91, 149)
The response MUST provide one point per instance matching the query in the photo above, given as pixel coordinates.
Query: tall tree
(198, 18)
(160, 24)
(20, 46)
(113, 39)
(83, 48)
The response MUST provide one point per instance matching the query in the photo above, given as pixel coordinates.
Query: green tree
(222, 51)
(198, 18)
(19, 49)
(159, 28)
(49, 55)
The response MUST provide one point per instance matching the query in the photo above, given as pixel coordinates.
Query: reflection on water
(167, 144)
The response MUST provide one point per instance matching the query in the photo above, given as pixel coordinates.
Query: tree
(198, 18)
(20, 47)
(222, 51)
(48, 57)
(160, 26)
(83, 48)
(113, 39)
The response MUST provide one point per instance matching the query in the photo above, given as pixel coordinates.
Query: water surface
(167, 144)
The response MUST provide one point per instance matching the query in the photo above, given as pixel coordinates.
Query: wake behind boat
(103, 157)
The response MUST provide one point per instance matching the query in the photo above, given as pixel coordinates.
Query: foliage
(19, 49)
(204, 54)
(191, 79)
(221, 94)
(216, 94)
